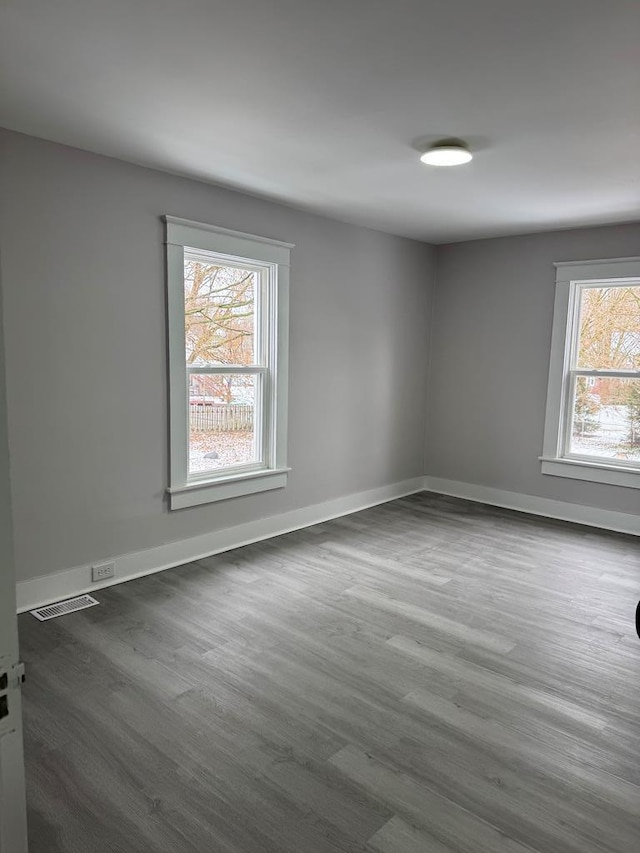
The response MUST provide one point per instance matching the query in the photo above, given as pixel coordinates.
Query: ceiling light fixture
(447, 153)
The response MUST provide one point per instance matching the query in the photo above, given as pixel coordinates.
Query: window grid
(261, 367)
(574, 372)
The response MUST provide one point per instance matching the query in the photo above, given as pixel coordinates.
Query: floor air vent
(62, 607)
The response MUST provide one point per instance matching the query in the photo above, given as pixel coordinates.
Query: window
(228, 335)
(592, 429)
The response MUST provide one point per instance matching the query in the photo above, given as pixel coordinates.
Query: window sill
(594, 472)
(223, 488)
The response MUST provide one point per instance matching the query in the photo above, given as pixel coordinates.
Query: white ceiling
(321, 103)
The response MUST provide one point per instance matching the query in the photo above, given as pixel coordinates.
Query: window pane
(610, 328)
(220, 306)
(606, 418)
(222, 422)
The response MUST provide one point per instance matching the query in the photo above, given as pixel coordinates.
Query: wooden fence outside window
(233, 417)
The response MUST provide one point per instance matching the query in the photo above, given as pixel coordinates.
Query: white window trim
(570, 275)
(228, 483)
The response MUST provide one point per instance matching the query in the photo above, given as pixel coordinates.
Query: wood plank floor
(428, 676)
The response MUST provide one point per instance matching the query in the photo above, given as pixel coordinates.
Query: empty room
(319, 426)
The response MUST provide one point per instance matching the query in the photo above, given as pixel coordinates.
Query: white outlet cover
(102, 571)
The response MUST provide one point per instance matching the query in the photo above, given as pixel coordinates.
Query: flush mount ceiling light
(447, 154)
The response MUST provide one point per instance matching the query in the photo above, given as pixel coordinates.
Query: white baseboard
(607, 519)
(60, 585)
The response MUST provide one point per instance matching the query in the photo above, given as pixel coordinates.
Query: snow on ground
(612, 447)
(609, 438)
(233, 448)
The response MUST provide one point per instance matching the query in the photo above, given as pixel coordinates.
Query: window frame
(572, 277)
(271, 258)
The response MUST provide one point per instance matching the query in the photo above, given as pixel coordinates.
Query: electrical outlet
(103, 571)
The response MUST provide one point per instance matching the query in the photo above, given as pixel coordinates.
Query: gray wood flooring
(428, 676)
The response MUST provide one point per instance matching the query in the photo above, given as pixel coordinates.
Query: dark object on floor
(211, 455)
(638, 619)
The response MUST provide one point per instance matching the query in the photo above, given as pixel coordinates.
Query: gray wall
(8, 624)
(491, 336)
(82, 265)
(13, 825)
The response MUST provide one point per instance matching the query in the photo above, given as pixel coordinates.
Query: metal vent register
(50, 611)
